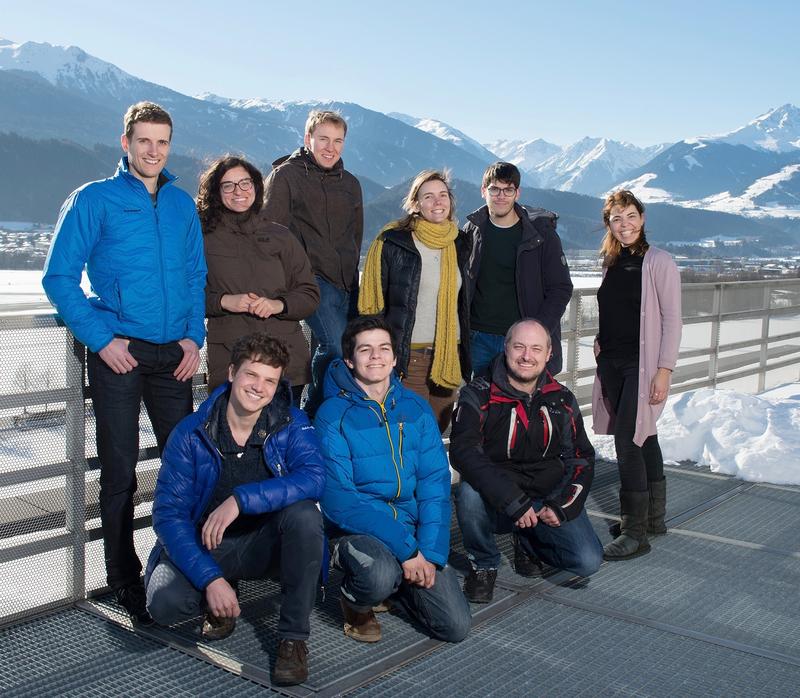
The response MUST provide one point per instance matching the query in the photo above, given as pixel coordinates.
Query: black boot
(632, 540)
(658, 507)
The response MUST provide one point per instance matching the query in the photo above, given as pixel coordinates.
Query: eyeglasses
(505, 191)
(243, 184)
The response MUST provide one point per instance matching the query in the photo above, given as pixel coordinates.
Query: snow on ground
(752, 437)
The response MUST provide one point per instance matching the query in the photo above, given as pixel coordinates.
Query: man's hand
(266, 307)
(548, 516)
(527, 520)
(237, 302)
(221, 599)
(117, 357)
(419, 571)
(190, 361)
(218, 521)
(659, 387)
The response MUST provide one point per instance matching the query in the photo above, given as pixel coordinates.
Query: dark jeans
(637, 465)
(572, 546)
(117, 399)
(483, 347)
(291, 537)
(372, 574)
(327, 324)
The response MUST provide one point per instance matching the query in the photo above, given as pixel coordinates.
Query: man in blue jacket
(236, 497)
(387, 496)
(517, 268)
(139, 238)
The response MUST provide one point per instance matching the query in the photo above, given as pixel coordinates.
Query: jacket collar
(339, 381)
(123, 170)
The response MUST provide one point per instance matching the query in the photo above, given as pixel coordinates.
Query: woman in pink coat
(637, 347)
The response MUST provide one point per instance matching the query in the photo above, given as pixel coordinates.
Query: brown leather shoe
(363, 627)
(217, 628)
(291, 664)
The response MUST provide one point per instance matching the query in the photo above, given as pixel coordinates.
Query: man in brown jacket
(312, 194)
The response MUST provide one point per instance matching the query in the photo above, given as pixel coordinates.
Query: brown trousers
(417, 379)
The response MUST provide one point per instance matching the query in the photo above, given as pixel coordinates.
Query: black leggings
(637, 465)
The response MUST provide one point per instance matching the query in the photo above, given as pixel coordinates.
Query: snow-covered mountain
(40, 83)
(778, 130)
(446, 133)
(752, 171)
(524, 154)
(591, 165)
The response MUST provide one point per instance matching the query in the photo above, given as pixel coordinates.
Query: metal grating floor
(708, 612)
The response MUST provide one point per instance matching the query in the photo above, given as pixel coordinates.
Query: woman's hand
(659, 387)
(266, 307)
(237, 302)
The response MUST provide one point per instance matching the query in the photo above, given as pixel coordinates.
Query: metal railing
(50, 535)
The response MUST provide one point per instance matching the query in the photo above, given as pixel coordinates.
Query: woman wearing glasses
(637, 347)
(413, 276)
(259, 277)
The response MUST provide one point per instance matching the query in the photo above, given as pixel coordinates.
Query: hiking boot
(383, 607)
(525, 565)
(632, 540)
(217, 627)
(291, 664)
(479, 585)
(363, 627)
(134, 600)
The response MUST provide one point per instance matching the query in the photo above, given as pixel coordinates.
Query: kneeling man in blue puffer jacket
(235, 495)
(387, 497)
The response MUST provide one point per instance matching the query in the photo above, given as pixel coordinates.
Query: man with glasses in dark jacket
(517, 268)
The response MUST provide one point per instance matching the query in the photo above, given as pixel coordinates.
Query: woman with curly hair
(413, 276)
(259, 277)
(637, 347)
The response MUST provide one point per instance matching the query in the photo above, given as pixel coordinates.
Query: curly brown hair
(610, 248)
(209, 201)
(261, 348)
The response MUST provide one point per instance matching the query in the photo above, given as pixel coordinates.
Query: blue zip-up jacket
(145, 263)
(387, 471)
(190, 469)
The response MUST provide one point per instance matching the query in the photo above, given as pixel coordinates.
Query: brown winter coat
(323, 208)
(247, 253)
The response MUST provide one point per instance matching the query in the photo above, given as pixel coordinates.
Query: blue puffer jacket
(145, 263)
(387, 469)
(190, 469)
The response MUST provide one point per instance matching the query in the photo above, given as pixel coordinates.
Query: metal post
(574, 346)
(75, 486)
(716, 311)
(766, 305)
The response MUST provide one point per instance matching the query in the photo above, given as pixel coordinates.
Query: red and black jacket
(516, 449)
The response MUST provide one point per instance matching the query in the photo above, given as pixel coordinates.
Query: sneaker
(479, 585)
(363, 627)
(291, 664)
(216, 627)
(134, 600)
(525, 565)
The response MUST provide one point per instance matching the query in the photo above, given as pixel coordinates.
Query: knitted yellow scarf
(446, 369)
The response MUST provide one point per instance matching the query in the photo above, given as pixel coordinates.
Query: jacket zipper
(383, 417)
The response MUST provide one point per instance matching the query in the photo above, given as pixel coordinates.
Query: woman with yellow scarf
(413, 276)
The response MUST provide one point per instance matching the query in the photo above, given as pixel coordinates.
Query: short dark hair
(148, 112)
(261, 348)
(502, 172)
(364, 323)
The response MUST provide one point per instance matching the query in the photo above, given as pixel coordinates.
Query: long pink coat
(660, 341)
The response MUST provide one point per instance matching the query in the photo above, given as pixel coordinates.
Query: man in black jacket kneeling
(526, 466)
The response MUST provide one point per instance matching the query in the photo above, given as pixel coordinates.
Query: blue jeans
(117, 399)
(572, 546)
(483, 347)
(373, 574)
(291, 537)
(327, 324)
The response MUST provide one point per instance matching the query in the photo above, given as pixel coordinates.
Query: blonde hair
(410, 202)
(316, 117)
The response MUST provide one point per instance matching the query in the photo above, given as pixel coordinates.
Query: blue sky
(560, 71)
